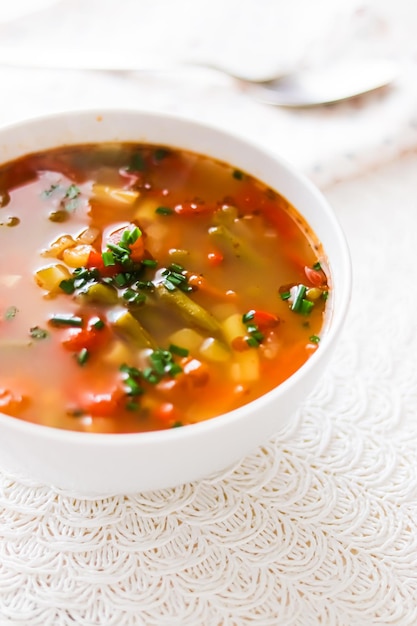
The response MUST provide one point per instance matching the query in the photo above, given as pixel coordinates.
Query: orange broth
(144, 288)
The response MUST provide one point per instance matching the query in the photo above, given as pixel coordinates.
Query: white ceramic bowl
(102, 464)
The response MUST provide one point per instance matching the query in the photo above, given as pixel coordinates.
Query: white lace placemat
(317, 527)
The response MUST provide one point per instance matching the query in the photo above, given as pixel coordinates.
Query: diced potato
(146, 209)
(59, 245)
(224, 310)
(187, 338)
(77, 256)
(89, 235)
(117, 353)
(49, 278)
(214, 350)
(106, 194)
(245, 368)
(233, 327)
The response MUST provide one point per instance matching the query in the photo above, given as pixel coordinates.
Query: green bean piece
(189, 310)
(101, 294)
(131, 329)
(230, 243)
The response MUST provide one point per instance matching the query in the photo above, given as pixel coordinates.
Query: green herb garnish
(11, 313)
(38, 333)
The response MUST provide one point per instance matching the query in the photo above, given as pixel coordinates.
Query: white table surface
(319, 526)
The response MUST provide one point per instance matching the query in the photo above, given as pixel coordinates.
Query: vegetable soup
(144, 288)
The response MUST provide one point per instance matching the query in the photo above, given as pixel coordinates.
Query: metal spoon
(325, 85)
(307, 88)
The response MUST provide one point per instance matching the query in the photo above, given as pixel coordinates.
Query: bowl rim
(192, 431)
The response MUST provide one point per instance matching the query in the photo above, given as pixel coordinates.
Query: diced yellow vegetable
(105, 193)
(49, 278)
(77, 256)
(146, 209)
(89, 235)
(187, 338)
(214, 350)
(59, 245)
(233, 327)
(117, 353)
(245, 368)
(314, 293)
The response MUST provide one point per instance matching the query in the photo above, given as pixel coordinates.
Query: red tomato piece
(91, 338)
(316, 277)
(95, 260)
(101, 404)
(265, 320)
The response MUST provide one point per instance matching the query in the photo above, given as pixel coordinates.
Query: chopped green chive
(246, 317)
(108, 258)
(237, 174)
(67, 286)
(285, 295)
(317, 266)
(314, 339)
(298, 298)
(306, 306)
(164, 210)
(174, 349)
(149, 262)
(82, 356)
(66, 320)
(97, 323)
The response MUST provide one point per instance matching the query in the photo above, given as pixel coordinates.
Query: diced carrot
(101, 404)
(166, 413)
(10, 401)
(265, 320)
(95, 260)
